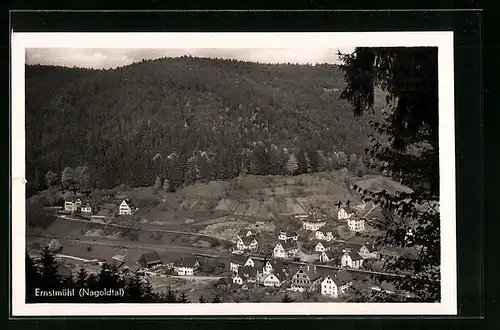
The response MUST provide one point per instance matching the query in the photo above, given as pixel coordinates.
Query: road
(69, 218)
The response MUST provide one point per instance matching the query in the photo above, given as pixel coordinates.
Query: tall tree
(50, 278)
(353, 162)
(342, 159)
(303, 166)
(67, 177)
(50, 178)
(405, 141)
(313, 157)
(292, 164)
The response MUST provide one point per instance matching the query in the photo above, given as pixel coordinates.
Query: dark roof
(243, 232)
(186, 262)
(349, 209)
(247, 271)
(312, 273)
(280, 275)
(355, 256)
(342, 277)
(71, 198)
(288, 245)
(247, 240)
(239, 259)
(129, 203)
(333, 254)
(151, 257)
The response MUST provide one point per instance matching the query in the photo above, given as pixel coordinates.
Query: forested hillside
(185, 119)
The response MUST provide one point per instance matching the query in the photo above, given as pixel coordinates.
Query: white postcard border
(442, 40)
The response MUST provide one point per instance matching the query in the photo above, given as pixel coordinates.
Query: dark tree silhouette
(405, 142)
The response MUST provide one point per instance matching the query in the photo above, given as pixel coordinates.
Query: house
(285, 249)
(240, 261)
(361, 249)
(356, 223)
(118, 260)
(247, 243)
(345, 212)
(271, 266)
(306, 278)
(331, 256)
(249, 274)
(285, 236)
(325, 233)
(244, 233)
(321, 247)
(274, 279)
(149, 259)
(72, 203)
(334, 285)
(86, 208)
(126, 207)
(351, 260)
(238, 279)
(313, 224)
(186, 266)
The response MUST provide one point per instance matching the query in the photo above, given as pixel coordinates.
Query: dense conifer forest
(184, 119)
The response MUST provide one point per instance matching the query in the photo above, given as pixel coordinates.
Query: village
(323, 254)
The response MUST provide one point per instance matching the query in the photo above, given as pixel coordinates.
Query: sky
(112, 58)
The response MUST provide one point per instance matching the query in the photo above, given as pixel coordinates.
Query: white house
(306, 278)
(241, 261)
(285, 249)
(86, 208)
(356, 223)
(351, 260)
(345, 213)
(330, 256)
(274, 279)
(321, 247)
(271, 266)
(361, 249)
(186, 266)
(247, 243)
(313, 224)
(238, 279)
(334, 285)
(72, 203)
(248, 274)
(325, 233)
(126, 207)
(285, 236)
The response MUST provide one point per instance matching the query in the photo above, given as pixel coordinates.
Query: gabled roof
(288, 245)
(243, 232)
(71, 198)
(129, 203)
(239, 259)
(151, 257)
(248, 271)
(342, 277)
(186, 262)
(333, 254)
(355, 256)
(247, 240)
(312, 273)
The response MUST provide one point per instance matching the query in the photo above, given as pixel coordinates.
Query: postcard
(233, 174)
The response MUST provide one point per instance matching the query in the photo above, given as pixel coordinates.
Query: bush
(89, 248)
